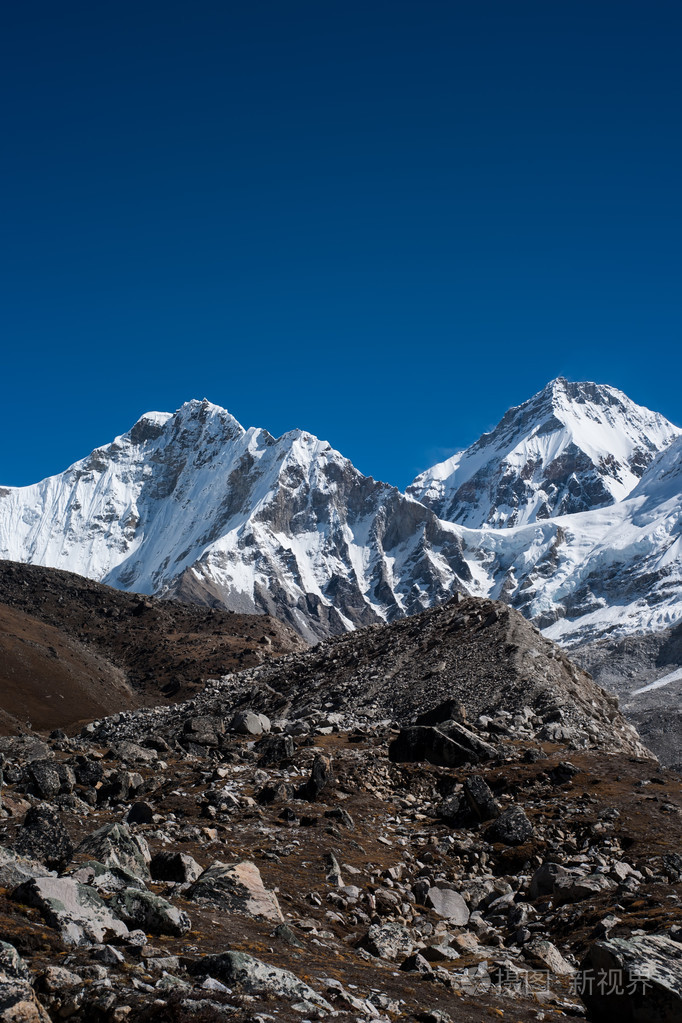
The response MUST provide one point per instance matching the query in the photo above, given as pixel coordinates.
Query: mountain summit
(570, 448)
(194, 506)
(569, 510)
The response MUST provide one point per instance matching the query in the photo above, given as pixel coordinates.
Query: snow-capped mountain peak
(571, 447)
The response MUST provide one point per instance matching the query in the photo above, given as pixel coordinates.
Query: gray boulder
(152, 913)
(15, 869)
(246, 722)
(321, 776)
(512, 827)
(43, 837)
(274, 749)
(575, 889)
(448, 904)
(388, 941)
(174, 866)
(483, 805)
(237, 887)
(74, 909)
(114, 845)
(425, 743)
(635, 980)
(255, 977)
(545, 878)
(43, 778)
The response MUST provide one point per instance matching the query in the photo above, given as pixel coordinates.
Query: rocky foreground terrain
(442, 819)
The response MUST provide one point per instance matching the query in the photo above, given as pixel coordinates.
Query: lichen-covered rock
(237, 887)
(114, 845)
(15, 869)
(152, 913)
(43, 778)
(43, 837)
(635, 980)
(74, 909)
(388, 941)
(512, 827)
(255, 977)
(17, 1001)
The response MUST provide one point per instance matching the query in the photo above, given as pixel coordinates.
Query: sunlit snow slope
(570, 510)
(193, 505)
(570, 448)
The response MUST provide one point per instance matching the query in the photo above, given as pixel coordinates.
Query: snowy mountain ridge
(570, 448)
(570, 510)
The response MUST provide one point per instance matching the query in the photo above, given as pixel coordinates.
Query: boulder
(140, 813)
(479, 797)
(544, 879)
(321, 775)
(174, 866)
(255, 977)
(238, 888)
(18, 1003)
(274, 749)
(246, 722)
(426, 743)
(43, 778)
(43, 837)
(575, 889)
(115, 846)
(388, 941)
(632, 980)
(15, 869)
(544, 954)
(151, 913)
(449, 905)
(449, 710)
(74, 909)
(512, 827)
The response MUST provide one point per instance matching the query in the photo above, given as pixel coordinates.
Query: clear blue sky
(383, 222)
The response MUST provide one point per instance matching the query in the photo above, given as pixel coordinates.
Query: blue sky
(383, 222)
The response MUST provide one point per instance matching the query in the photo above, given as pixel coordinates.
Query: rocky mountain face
(571, 448)
(438, 820)
(646, 674)
(193, 506)
(570, 510)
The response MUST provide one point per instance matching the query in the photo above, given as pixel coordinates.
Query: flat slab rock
(448, 904)
(74, 909)
(237, 887)
(635, 980)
